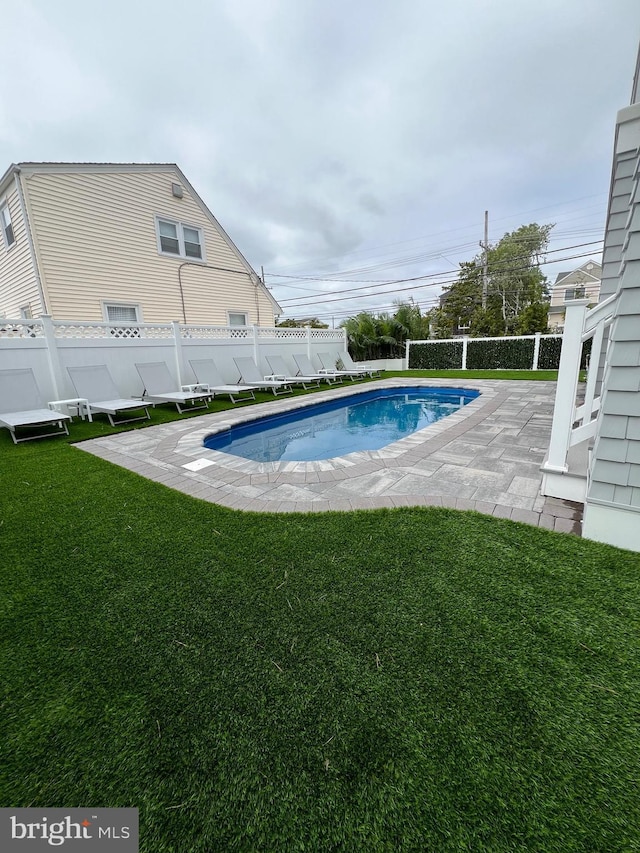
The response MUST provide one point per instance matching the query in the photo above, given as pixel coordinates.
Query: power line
(308, 300)
(470, 227)
(400, 280)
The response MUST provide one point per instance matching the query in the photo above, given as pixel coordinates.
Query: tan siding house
(581, 283)
(19, 289)
(123, 241)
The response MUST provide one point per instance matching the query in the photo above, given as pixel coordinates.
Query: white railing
(88, 330)
(21, 329)
(573, 424)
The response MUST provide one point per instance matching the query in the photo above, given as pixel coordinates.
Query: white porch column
(567, 386)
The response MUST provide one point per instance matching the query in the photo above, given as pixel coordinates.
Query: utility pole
(485, 264)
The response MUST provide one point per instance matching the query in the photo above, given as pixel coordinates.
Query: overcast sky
(345, 139)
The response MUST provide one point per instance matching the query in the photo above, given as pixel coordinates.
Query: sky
(346, 146)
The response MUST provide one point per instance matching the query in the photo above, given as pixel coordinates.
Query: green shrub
(436, 355)
(507, 354)
(549, 355)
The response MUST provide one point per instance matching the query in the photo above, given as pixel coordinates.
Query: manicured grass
(415, 679)
(530, 375)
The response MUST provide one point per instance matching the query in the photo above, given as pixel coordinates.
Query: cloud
(321, 129)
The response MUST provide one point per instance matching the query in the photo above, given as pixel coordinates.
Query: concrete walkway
(485, 457)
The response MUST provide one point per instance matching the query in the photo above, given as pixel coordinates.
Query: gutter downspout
(184, 312)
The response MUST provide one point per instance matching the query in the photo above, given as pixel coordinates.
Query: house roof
(582, 269)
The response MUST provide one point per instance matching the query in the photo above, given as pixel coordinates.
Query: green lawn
(413, 679)
(529, 375)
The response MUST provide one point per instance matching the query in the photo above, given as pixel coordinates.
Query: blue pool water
(366, 421)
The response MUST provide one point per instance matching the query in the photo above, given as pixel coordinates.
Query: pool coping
(486, 456)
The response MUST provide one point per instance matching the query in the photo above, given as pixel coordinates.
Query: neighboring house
(120, 242)
(581, 283)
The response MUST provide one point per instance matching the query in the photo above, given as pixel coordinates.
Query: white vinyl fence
(49, 347)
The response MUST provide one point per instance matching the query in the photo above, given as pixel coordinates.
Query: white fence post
(536, 351)
(177, 346)
(256, 347)
(566, 386)
(465, 340)
(53, 358)
(308, 329)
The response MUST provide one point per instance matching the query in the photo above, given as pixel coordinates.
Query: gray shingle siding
(626, 354)
(614, 426)
(615, 473)
(615, 469)
(624, 379)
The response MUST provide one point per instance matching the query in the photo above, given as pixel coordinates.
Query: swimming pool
(367, 421)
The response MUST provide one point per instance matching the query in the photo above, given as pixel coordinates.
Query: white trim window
(7, 227)
(116, 312)
(179, 240)
(119, 313)
(574, 293)
(238, 318)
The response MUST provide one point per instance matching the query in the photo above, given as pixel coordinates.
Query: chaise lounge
(307, 369)
(250, 375)
(22, 406)
(328, 363)
(157, 384)
(209, 379)
(349, 364)
(94, 384)
(276, 363)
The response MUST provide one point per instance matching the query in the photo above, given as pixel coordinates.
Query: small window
(116, 313)
(25, 312)
(574, 293)
(121, 313)
(7, 227)
(236, 318)
(182, 241)
(169, 238)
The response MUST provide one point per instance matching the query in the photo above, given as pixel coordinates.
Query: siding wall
(613, 498)
(18, 282)
(591, 289)
(96, 241)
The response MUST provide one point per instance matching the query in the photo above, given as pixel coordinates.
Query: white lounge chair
(250, 375)
(305, 367)
(328, 363)
(94, 384)
(157, 383)
(209, 379)
(349, 364)
(21, 406)
(276, 363)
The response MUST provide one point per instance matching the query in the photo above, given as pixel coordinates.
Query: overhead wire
(334, 298)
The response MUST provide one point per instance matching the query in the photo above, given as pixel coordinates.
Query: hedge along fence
(529, 352)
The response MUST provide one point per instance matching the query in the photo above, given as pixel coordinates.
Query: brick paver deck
(485, 457)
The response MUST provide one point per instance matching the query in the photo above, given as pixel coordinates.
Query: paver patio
(484, 457)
